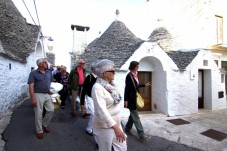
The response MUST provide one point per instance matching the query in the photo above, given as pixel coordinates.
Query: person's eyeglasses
(112, 71)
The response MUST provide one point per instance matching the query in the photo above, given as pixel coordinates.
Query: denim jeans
(134, 119)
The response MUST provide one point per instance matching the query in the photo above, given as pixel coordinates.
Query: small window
(205, 62)
(222, 78)
(219, 22)
(216, 61)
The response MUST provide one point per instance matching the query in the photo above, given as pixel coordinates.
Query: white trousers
(106, 138)
(90, 109)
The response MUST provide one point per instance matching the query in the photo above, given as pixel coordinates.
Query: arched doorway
(151, 69)
(39, 51)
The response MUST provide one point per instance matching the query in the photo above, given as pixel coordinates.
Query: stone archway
(159, 82)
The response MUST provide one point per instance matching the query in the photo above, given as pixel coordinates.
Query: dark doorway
(200, 89)
(224, 67)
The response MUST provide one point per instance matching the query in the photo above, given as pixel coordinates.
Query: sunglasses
(112, 71)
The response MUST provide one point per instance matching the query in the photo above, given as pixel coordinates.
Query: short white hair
(103, 66)
(40, 60)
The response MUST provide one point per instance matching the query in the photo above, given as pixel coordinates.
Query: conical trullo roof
(117, 43)
(163, 38)
(182, 58)
(17, 37)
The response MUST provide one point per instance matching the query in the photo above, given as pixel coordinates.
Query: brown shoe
(145, 137)
(46, 129)
(85, 115)
(39, 135)
(128, 132)
(73, 114)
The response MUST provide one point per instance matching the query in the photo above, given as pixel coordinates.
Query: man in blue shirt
(39, 88)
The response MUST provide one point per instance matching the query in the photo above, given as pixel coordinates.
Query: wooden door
(145, 92)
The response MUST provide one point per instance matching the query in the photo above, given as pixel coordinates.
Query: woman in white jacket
(107, 120)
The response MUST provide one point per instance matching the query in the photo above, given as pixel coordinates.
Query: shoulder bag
(139, 99)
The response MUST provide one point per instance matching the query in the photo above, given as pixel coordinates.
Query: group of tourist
(97, 92)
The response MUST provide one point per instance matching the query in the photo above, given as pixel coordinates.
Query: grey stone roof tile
(182, 58)
(18, 38)
(163, 38)
(117, 43)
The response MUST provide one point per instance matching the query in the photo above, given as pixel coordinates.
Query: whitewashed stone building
(20, 47)
(193, 24)
(182, 81)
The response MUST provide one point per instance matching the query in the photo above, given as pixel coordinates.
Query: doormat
(178, 121)
(219, 136)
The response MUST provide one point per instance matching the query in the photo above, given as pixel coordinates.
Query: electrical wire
(29, 12)
(36, 12)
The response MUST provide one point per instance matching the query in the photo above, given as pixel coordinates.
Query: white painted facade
(14, 77)
(79, 41)
(192, 23)
(175, 92)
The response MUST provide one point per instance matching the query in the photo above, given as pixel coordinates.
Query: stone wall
(51, 58)
(174, 91)
(13, 82)
(74, 59)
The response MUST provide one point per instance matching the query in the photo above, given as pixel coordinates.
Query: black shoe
(91, 134)
(97, 146)
(128, 132)
(62, 107)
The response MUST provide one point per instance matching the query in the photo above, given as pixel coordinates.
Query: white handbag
(55, 87)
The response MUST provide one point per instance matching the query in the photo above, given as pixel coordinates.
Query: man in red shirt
(76, 80)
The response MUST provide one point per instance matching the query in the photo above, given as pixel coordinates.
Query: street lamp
(49, 38)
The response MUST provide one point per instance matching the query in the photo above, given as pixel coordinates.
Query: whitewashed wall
(119, 80)
(212, 80)
(182, 93)
(183, 89)
(13, 82)
(152, 58)
(175, 92)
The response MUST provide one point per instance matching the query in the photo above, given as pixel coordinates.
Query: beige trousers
(73, 101)
(43, 100)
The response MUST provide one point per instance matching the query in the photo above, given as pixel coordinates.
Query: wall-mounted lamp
(49, 38)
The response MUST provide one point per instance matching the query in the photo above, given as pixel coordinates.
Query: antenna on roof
(117, 13)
